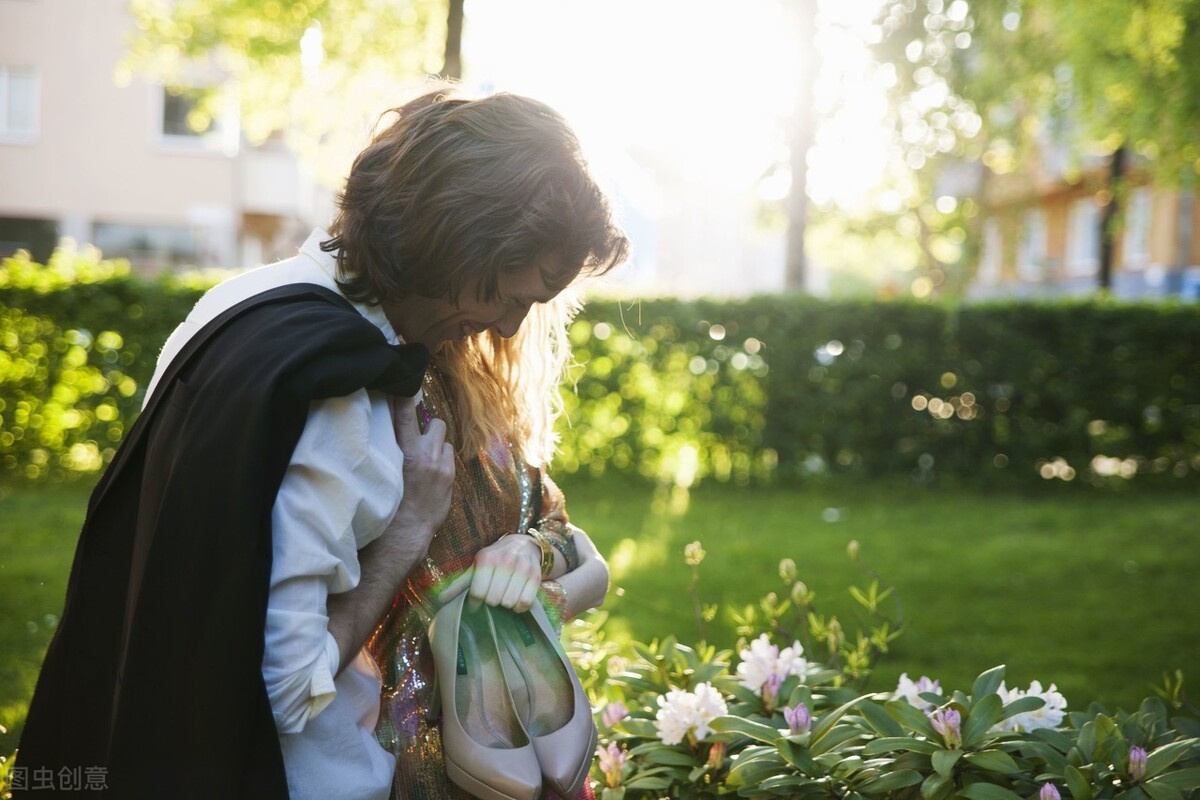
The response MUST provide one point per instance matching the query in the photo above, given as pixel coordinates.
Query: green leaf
(755, 730)
(637, 727)
(1081, 788)
(892, 781)
(936, 787)
(983, 716)
(1087, 740)
(987, 683)
(785, 782)
(1184, 779)
(879, 719)
(988, 791)
(1056, 739)
(892, 743)
(799, 757)
(826, 722)
(994, 761)
(652, 782)
(1162, 791)
(912, 718)
(752, 770)
(1167, 755)
(834, 738)
(944, 761)
(663, 755)
(1020, 706)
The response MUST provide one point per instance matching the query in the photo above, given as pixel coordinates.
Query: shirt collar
(328, 265)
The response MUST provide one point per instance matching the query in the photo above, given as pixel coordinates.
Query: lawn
(1097, 592)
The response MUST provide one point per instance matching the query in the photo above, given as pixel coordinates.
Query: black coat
(154, 673)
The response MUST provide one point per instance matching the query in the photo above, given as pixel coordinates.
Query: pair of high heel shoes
(514, 716)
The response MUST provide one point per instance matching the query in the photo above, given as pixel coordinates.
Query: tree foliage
(1002, 81)
(988, 78)
(320, 70)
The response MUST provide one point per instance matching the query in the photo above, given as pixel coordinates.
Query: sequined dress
(494, 494)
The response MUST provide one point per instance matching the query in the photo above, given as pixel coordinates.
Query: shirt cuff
(322, 690)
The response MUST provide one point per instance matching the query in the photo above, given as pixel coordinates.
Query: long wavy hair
(453, 193)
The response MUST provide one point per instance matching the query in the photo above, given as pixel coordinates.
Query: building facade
(1042, 232)
(116, 163)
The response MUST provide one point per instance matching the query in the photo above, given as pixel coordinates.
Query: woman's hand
(507, 573)
(587, 584)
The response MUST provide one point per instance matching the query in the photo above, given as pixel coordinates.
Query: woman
(276, 498)
(466, 221)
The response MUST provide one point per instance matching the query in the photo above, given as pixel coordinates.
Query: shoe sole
(478, 788)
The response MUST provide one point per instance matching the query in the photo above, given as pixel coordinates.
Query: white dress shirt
(341, 489)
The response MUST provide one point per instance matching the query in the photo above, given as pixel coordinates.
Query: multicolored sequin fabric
(494, 494)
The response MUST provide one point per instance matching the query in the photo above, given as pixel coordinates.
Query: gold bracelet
(547, 549)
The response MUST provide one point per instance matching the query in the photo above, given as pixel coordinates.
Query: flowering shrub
(692, 722)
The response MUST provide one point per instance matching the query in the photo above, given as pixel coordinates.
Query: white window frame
(1135, 241)
(1033, 246)
(222, 139)
(992, 254)
(1083, 238)
(7, 134)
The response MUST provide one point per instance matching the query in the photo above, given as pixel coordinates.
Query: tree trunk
(801, 141)
(452, 59)
(1108, 218)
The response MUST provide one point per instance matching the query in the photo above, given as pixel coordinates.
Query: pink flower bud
(1137, 763)
(612, 760)
(948, 723)
(799, 719)
(770, 690)
(716, 755)
(1048, 792)
(613, 713)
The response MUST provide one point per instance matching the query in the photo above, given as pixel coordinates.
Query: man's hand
(428, 471)
(386, 562)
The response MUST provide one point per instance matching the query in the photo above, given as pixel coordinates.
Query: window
(1135, 247)
(18, 104)
(1083, 238)
(147, 246)
(1031, 250)
(992, 254)
(38, 236)
(182, 124)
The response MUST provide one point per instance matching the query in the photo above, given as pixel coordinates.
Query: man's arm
(385, 562)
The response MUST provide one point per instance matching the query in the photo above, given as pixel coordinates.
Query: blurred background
(844, 147)
(913, 280)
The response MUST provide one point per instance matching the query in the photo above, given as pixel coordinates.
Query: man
(276, 491)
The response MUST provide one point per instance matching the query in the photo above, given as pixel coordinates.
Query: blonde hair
(507, 389)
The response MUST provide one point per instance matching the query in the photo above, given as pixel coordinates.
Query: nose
(508, 325)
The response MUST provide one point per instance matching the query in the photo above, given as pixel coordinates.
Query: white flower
(1049, 715)
(681, 713)
(763, 659)
(911, 691)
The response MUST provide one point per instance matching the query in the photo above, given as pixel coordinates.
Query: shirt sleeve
(341, 489)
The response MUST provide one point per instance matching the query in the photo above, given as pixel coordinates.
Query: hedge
(678, 391)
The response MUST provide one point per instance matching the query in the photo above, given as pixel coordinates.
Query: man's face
(434, 321)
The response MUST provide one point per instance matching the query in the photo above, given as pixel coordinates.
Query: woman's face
(434, 321)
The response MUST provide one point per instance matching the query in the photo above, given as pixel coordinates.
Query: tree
(318, 70)
(987, 79)
(801, 142)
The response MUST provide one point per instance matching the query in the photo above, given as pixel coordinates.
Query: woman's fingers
(506, 574)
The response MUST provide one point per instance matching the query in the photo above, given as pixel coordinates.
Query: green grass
(1097, 592)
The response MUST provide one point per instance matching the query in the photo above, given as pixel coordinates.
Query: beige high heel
(551, 703)
(487, 751)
